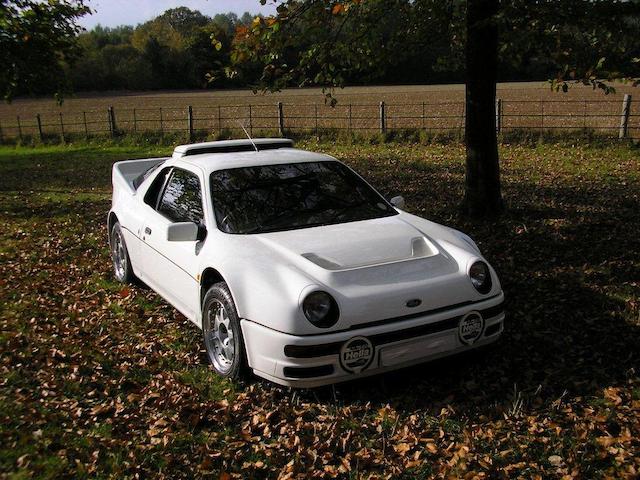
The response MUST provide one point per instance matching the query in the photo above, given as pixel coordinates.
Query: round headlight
(321, 309)
(480, 277)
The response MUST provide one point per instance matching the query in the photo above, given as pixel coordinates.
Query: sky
(111, 13)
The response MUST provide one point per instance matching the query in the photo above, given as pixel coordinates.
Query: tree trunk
(482, 181)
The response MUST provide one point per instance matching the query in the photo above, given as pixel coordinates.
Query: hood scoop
(417, 248)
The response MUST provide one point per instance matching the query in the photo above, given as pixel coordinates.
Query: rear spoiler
(229, 146)
(129, 174)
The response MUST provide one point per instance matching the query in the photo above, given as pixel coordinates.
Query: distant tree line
(184, 49)
(415, 42)
(180, 49)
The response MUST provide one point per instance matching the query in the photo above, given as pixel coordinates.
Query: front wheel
(120, 256)
(222, 334)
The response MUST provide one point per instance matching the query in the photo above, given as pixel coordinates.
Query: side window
(151, 197)
(182, 198)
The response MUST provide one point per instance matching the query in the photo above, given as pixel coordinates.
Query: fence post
(280, 119)
(161, 126)
(219, 118)
(1, 134)
(624, 118)
(189, 124)
(383, 119)
(250, 122)
(135, 126)
(316, 117)
(349, 118)
(423, 116)
(39, 123)
(19, 128)
(86, 129)
(61, 128)
(498, 115)
(112, 122)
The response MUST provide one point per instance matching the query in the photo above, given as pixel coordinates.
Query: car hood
(354, 245)
(376, 270)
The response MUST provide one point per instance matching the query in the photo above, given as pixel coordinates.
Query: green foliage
(331, 43)
(37, 43)
(318, 42)
(181, 48)
(574, 41)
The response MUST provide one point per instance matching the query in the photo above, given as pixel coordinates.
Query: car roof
(210, 162)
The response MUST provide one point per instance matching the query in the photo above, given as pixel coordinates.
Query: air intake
(230, 146)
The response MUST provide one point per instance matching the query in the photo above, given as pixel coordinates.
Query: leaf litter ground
(100, 380)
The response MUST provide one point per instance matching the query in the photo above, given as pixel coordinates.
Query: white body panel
(372, 268)
(171, 268)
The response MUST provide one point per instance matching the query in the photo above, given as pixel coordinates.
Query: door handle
(147, 230)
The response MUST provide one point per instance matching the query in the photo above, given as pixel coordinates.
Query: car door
(132, 218)
(171, 267)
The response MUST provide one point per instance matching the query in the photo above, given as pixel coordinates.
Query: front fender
(265, 289)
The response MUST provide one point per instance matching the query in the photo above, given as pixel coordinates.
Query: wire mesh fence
(609, 118)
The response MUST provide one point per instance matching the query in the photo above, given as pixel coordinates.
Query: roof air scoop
(231, 146)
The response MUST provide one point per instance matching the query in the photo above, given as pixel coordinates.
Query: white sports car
(294, 266)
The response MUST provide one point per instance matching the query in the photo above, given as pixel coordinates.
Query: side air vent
(230, 146)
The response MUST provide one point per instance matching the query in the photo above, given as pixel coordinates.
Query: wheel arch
(209, 277)
(111, 220)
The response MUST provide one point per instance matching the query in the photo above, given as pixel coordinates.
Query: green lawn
(104, 381)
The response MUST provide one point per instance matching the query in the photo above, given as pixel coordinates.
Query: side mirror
(398, 201)
(183, 232)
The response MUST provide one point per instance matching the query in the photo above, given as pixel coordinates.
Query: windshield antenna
(248, 136)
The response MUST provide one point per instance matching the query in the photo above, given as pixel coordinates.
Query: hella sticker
(356, 354)
(470, 327)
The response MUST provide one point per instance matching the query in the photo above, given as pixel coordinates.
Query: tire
(222, 333)
(120, 256)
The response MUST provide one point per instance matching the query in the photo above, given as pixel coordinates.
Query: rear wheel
(120, 256)
(222, 334)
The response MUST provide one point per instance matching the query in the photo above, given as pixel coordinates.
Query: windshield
(270, 198)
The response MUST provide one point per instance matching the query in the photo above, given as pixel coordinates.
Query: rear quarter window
(151, 197)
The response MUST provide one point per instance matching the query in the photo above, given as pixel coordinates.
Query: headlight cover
(480, 277)
(321, 309)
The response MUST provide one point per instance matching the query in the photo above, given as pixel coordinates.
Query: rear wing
(129, 174)
(229, 146)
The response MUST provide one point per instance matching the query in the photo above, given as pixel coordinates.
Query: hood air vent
(420, 248)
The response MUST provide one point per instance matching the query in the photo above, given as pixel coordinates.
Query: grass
(102, 381)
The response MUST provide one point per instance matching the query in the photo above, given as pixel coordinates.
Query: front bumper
(315, 360)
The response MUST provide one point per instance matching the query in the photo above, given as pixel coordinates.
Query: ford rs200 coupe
(294, 267)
